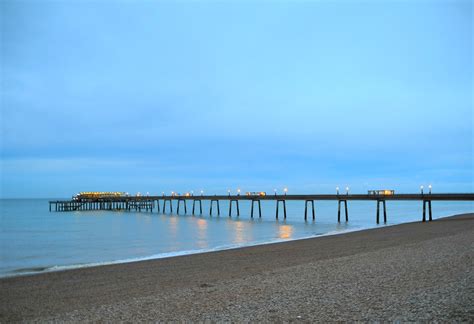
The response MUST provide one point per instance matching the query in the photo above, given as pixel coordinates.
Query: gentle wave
(37, 270)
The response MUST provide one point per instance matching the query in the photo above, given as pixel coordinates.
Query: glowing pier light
(337, 190)
(347, 190)
(202, 191)
(228, 191)
(238, 192)
(285, 190)
(421, 189)
(429, 187)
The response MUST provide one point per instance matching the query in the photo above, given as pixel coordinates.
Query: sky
(161, 96)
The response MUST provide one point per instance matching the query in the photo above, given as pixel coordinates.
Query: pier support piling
(184, 202)
(427, 202)
(218, 208)
(284, 208)
(230, 207)
(384, 211)
(158, 206)
(306, 209)
(164, 205)
(339, 210)
(200, 205)
(259, 208)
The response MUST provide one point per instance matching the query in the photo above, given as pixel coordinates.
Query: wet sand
(409, 272)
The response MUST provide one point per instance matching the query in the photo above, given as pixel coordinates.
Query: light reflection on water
(173, 226)
(238, 230)
(202, 234)
(285, 232)
(33, 237)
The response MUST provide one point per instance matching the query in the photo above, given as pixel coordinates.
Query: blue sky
(189, 95)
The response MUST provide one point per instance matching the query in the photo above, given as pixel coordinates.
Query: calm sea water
(32, 239)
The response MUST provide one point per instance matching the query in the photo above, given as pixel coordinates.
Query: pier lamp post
(285, 190)
(274, 190)
(147, 193)
(202, 191)
(228, 191)
(238, 192)
(421, 189)
(347, 190)
(172, 193)
(192, 192)
(163, 193)
(429, 187)
(337, 190)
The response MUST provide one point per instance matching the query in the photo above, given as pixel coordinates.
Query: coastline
(58, 268)
(207, 285)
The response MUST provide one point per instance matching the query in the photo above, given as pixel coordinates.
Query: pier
(149, 203)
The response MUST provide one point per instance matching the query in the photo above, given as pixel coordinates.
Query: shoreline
(160, 256)
(216, 277)
(22, 272)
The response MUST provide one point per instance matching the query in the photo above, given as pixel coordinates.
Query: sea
(35, 240)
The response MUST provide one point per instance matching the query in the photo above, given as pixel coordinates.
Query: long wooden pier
(148, 203)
